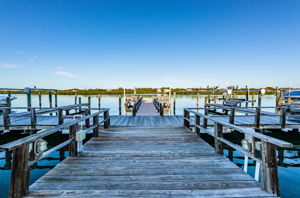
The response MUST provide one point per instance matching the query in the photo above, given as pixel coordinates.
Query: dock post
(205, 119)
(197, 125)
(32, 121)
(106, 119)
(134, 110)
(28, 100)
(247, 96)
(270, 181)
(55, 99)
(186, 115)
(252, 99)
(96, 122)
(283, 117)
(50, 101)
(75, 98)
(161, 109)
(60, 117)
(8, 104)
(99, 101)
(73, 144)
(218, 134)
(232, 114)
(257, 117)
(120, 105)
(40, 100)
(6, 119)
(259, 99)
(87, 121)
(174, 103)
(79, 102)
(20, 172)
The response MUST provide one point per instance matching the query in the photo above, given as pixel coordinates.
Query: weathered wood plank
(146, 162)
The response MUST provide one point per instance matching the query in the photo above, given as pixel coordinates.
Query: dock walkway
(147, 108)
(146, 162)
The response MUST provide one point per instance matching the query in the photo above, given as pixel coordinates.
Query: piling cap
(27, 90)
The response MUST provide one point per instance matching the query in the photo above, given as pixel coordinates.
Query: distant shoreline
(146, 91)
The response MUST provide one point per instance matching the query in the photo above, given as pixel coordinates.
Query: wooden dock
(146, 162)
(153, 155)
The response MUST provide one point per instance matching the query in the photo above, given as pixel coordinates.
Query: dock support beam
(270, 181)
(20, 172)
(218, 134)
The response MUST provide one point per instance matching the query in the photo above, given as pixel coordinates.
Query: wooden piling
(33, 121)
(270, 181)
(174, 103)
(40, 100)
(20, 172)
(283, 117)
(96, 122)
(232, 115)
(186, 115)
(257, 117)
(73, 144)
(120, 105)
(197, 125)
(218, 134)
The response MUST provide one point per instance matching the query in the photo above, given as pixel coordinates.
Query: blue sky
(107, 44)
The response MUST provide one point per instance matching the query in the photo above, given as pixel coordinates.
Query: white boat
(292, 97)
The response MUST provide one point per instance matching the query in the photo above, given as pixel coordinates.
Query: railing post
(60, 117)
(283, 117)
(205, 119)
(20, 172)
(73, 144)
(79, 102)
(96, 122)
(8, 104)
(6, 119)
(89, 105)
(197, 125)
(32, 121)
(106, 119)
(161, 109)
(270, 182)
(257, 117)
(134, 110)
(232, 114)
(40, 100)
(186, 115)
(218, 134)
(87, 121)
(120, 105)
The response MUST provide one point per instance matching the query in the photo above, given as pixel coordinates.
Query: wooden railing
(259, 147)
(25, 149)
(136, 106)
(159, 106)
(256, 111)
(34, 111)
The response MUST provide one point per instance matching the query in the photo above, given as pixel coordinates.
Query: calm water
(289, 170)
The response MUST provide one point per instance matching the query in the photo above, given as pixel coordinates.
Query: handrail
(43, 133)
(159, 106)
(20, 148)
(246, 131)
(257, 146)
(136, 106)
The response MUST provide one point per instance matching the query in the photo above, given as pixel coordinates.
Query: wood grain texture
(146, 162)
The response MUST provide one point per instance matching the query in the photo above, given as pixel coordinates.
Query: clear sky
(152, 43)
